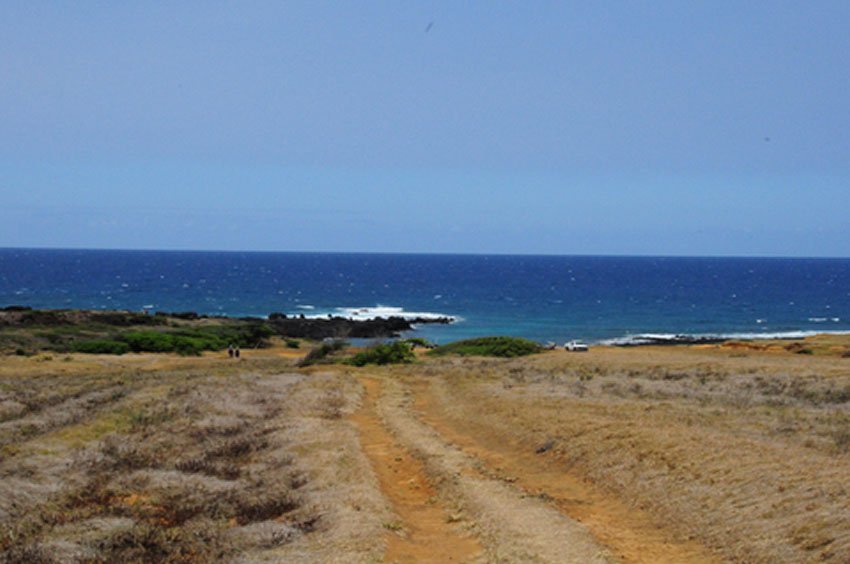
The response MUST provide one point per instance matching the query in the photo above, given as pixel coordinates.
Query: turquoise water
(539, 297)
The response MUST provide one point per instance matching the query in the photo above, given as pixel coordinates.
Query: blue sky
(714, 128)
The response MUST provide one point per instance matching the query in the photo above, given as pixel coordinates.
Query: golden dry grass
(748, 454)
(161, 458)
(739, 452)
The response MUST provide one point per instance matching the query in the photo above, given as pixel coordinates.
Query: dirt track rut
(509, 524)
(424, 531)
(629, 533)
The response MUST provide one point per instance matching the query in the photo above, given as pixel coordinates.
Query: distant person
(236, 352)
(230, 351)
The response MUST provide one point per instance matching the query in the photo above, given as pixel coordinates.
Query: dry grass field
(158, 459)
(743, 453)
(680, 454)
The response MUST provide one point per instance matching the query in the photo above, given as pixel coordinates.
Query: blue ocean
(545, 298)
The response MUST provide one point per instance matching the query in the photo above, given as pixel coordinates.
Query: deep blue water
(540, 297)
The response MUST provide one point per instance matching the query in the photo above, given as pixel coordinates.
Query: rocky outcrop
(341, 327)
(646, 340)
(299, 327)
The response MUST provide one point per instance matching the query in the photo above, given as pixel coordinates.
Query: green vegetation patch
(399, 352)
(189, 341)
(419, 342)
(149, 341)
(98, 332)
(101, 346)
(321, 353)
(182, 343)
(506, 347)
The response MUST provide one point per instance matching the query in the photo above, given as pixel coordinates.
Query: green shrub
(419, 342)
(507, 347)
(101, 346)
(190, 342)
(149, 341)
(192, 345)
(189, 338)
(399, 352)
(243, 335)
(321, 352)
(293, 343)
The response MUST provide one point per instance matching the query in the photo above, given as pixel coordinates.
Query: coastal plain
(704, 453)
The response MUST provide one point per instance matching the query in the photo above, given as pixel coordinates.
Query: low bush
(245, 334)
(101, 346)
(149, 341)
(101, 338)
(419, 342)
(188, 342)
(399, 352)
(293, 343)
(195, 345)
(322, 352)
(506, 347)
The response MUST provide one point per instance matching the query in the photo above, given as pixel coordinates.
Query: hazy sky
(687, 128)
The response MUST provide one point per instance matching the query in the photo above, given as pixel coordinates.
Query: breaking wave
(673, 338)
(366, 313)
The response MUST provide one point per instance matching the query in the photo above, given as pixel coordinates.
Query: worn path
(424, 531)
(627, 532)
(510, 524)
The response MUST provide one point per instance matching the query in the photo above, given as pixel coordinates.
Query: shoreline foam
(708, 338)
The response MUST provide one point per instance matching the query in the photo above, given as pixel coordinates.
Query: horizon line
(429, 253)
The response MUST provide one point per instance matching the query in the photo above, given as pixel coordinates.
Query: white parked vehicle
(576, 346)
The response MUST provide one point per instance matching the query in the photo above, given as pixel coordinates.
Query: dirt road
(425, 530)
(469, 497)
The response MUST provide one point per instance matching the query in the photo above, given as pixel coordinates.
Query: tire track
(425, 532)
(629, 533)
(512, 525)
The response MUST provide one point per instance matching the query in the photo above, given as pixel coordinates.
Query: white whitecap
(364, 313)
(373, 312)
(652, 338)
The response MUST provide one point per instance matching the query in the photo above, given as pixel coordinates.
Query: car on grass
(576, 346)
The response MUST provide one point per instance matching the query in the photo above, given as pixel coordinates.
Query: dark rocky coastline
(341, 327)
(299, 327)
(644, 341)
